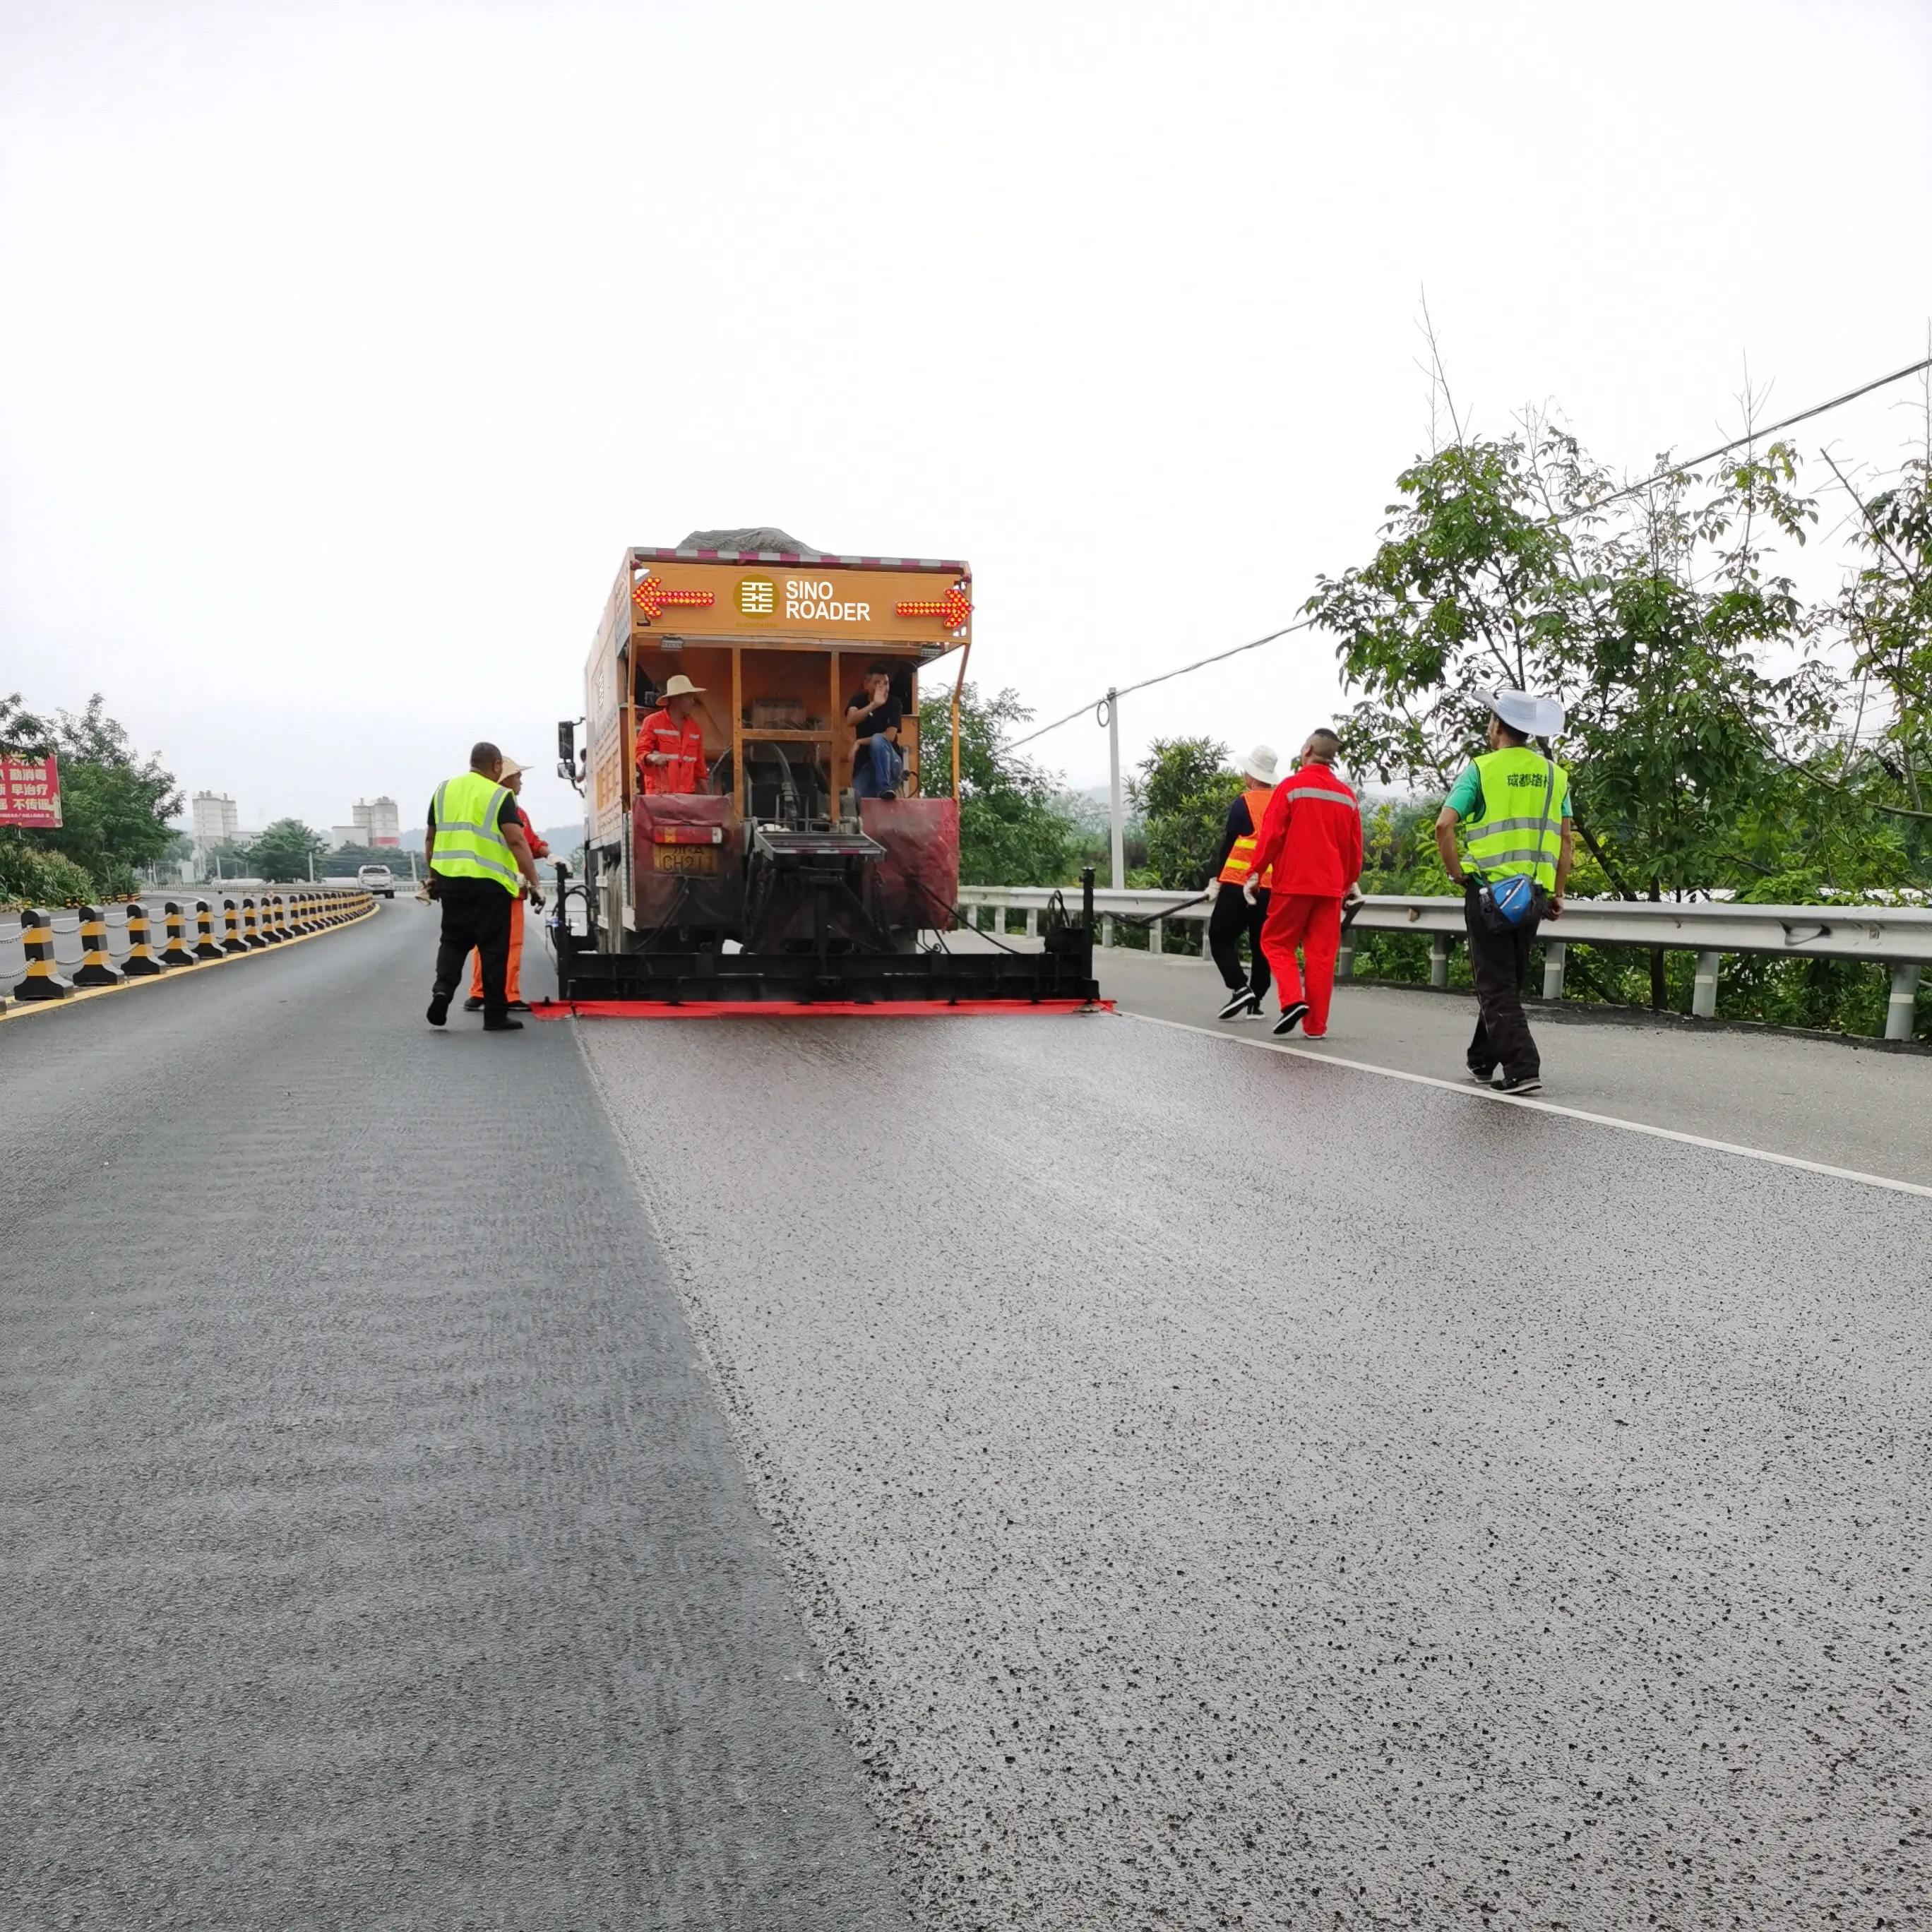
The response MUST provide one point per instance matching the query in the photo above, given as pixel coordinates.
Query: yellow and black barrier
(42, 980)
(96, 968)
(140, 963)
(277, 918)
(174, 952)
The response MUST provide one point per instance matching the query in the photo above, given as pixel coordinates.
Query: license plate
(684, 858)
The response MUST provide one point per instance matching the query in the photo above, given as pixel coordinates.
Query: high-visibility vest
(1241, 853)
(468, 845)
(1511, 834)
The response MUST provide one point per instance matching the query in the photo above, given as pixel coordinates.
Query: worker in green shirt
(1512, 806)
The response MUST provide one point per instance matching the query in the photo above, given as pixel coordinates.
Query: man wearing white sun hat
(1234, 914)
(1513, 805)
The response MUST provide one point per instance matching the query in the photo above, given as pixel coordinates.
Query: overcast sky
(343, 348)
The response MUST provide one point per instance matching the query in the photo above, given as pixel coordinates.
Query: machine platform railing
(1896, 937)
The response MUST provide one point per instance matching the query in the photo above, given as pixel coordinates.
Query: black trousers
(1497, 961)
(1232, 916)
(476, 915)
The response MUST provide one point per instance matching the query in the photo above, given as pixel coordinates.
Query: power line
(1629, 490)
(1753, 435)
(1179, 670)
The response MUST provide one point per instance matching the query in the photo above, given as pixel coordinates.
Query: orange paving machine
(769, 873)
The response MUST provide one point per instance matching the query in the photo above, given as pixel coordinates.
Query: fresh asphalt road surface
(1231, 1490)
(1194, 1487)
(374, 1552)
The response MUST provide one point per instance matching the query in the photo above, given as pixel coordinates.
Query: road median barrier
(140, 963)
(175, 952)
(96, 968)
(116, 943)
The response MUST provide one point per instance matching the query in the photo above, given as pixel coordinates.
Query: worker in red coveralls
(670, 742)
(512, 778)
(1311, 835)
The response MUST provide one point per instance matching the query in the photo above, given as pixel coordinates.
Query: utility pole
(1119, 854)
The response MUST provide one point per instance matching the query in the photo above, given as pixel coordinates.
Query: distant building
(217, 820)
(340, 835)
(378, 821)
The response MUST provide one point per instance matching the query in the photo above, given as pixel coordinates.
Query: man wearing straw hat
(1233, 914)
(671, 742)
(1513, 805)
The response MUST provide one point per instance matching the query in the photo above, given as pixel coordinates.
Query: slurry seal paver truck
(773, 885)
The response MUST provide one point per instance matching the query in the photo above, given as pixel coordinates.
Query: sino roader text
(816, 602)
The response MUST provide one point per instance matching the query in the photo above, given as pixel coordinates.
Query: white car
(378, 880)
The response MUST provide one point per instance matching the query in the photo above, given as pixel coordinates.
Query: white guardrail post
(1897, 938)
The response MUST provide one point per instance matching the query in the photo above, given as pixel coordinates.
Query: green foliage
(1011, 831)
(284, 851)
(31, 877)
(1183, 790)
(115, 805)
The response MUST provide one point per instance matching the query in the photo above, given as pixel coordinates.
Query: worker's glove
(432, 887)
(1351, 898)
(1250, 891)
(535, 898)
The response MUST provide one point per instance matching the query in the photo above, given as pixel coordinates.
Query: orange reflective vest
(1241, 857)
(683, 744)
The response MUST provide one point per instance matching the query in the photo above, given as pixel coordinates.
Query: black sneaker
(472, 1005)
(1238, 1003)
(439, 1009)
(503, 1026)
(1530, 1083)
(1484, 1076)
(1291, 1018)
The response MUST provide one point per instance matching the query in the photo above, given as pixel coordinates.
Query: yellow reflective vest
(1520, 826)
(468, 844)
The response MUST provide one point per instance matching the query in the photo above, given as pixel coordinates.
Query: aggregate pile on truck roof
(773, 883)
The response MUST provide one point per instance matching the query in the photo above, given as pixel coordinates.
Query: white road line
(1470, 1090)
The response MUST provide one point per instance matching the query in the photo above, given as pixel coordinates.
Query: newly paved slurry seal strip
(1233, 1489)
(373, 1552)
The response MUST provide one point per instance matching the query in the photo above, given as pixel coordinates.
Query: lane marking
(1470, 1090)
(21, 1009)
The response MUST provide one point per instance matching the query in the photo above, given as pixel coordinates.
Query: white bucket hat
(1259, 764)
(1534, 717)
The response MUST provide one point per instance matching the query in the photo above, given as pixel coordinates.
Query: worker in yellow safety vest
(480, 864)
(1233, 914)
(1512, 804)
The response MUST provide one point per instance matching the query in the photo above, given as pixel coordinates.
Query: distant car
(377, 879)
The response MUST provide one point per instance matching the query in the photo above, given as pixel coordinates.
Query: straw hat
(679, 685)
(511, 769)
(1259, 764)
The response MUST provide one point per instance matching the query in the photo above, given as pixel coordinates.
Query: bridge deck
(1210, 1497)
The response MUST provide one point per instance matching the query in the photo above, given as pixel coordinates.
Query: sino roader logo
(809, 600)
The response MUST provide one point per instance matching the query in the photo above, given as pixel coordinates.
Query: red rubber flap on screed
(919, 876)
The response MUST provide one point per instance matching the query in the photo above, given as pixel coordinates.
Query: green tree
(1011, 832)
(115, 804)
(284, 851)
(1183, 789)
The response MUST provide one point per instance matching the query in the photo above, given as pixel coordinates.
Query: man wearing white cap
(1233, 914)
(1513, 805)
(671, 742)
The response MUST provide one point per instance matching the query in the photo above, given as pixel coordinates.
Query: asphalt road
(1232, 1489)
(373, 1551)
(1054, 1472)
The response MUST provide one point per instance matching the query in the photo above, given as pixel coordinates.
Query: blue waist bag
(1508, 902)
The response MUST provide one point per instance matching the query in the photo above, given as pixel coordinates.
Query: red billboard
(29, 790)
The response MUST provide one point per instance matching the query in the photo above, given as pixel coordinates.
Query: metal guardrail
(1900, 937)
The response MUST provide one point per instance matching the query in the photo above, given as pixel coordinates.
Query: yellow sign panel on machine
(824, 602)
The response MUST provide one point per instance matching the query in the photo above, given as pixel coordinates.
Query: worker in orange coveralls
(1312, 835)
(670, 743)
(512, 778)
